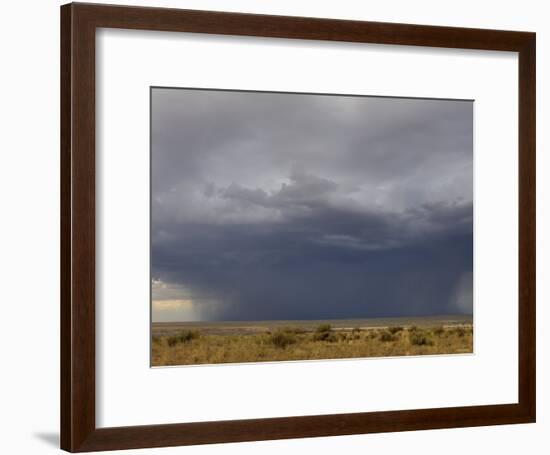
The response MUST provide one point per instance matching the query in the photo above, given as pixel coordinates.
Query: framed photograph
(282, 227)
(347, 234)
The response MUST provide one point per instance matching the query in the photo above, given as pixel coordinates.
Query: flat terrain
(192, 343)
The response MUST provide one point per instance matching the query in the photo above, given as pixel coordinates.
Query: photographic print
(298, 226)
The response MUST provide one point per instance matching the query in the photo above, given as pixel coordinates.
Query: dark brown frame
(78, 25)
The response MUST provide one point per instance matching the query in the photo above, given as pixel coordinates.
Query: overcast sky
(296, 206)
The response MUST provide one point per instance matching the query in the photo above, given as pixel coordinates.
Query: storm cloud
(299, 206)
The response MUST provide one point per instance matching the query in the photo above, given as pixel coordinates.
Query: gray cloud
(300, 206)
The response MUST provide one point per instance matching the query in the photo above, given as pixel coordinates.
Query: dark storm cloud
(270, 206)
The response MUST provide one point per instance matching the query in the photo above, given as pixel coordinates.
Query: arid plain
(193, 343)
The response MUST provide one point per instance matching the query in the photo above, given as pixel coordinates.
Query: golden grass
(186, 348)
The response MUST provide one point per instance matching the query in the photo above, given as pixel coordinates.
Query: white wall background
(29, 240)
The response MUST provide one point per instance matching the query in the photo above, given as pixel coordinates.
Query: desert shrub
(356, 330)
(386, 336)
(188, 335)
(324, 332)
(395, 329)
(460, 331)
(323, 328)
(282, 339)
(325, 336)
(172, 341)
(439, 331)
(419, 339)
(413, 328)
(183, 337)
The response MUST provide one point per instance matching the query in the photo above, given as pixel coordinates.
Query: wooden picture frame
(78, 389)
